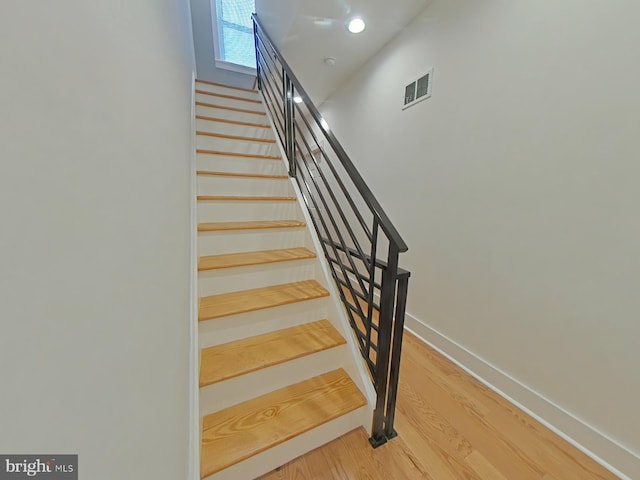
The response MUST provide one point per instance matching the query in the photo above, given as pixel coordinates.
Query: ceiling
(308, 31)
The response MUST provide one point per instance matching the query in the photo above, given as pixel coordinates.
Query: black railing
(359, 241)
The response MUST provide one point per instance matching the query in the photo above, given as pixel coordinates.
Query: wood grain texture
(233, 359)
(231, 122)
(237, 154)
(231, 260)
(232, 109)
(242, 175)
(255, 225)
(235, 137)
(230, 97)
(243, 198)
(207, 82)
(222, 305)
(244, 430)
(451, 427)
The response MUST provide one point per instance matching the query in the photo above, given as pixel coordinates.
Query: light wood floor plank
(483, 467)
(524, 432)
(459, 431)
(493, 446)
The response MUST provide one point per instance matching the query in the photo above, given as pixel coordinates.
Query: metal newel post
(385, 324)
(255, 42)
(289, 115)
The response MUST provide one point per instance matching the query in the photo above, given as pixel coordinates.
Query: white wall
(205, 54)
(516, 188)
(94, 243)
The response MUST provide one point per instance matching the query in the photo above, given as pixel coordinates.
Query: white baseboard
(586, 438)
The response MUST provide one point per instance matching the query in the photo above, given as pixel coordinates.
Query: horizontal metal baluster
(373, 204)
(279, 85)
(337, 230)
(264, 50)
(276, 113)
(337, 176)
(328, 212)
(303, 178)
(333, 198)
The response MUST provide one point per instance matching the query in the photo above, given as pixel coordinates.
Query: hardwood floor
(451, 427)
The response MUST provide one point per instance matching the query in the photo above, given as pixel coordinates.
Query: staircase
(279, 370)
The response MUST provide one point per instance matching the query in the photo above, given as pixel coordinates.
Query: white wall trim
(234, 67)
(194, 358)
(588, 439)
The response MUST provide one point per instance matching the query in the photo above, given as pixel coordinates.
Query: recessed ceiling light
(329, 61)
(356, 25)
(297, 99)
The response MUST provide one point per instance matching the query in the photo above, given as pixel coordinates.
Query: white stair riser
(232, 211)
(213, 282)
(229, 114)
(245, 387)
(229, 102)
(255, 95)
(236, 146)
(220, 185)
(225, 163)
(234, 327)
(218, 243)
(233, 129)
(285, 452)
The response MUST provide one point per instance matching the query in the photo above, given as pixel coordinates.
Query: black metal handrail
(359, 241)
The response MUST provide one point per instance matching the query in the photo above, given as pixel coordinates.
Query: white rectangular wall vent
(418, 89)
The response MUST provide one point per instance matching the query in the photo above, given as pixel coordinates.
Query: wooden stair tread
(222, 305)
(230, 260)
(233, 109)
(242, 175)
(231, 97)
(233, 359)
(240, 198)
(216, 84)
(238, 154)
(235, 137)
(253, 225)
(239, 432)
(232, 122)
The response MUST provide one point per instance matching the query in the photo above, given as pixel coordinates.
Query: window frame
(217, 34)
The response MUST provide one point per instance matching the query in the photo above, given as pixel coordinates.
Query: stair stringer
(193, 472)
(356, 368)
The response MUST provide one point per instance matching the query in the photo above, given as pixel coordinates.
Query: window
(233, 31)
(418, 89)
